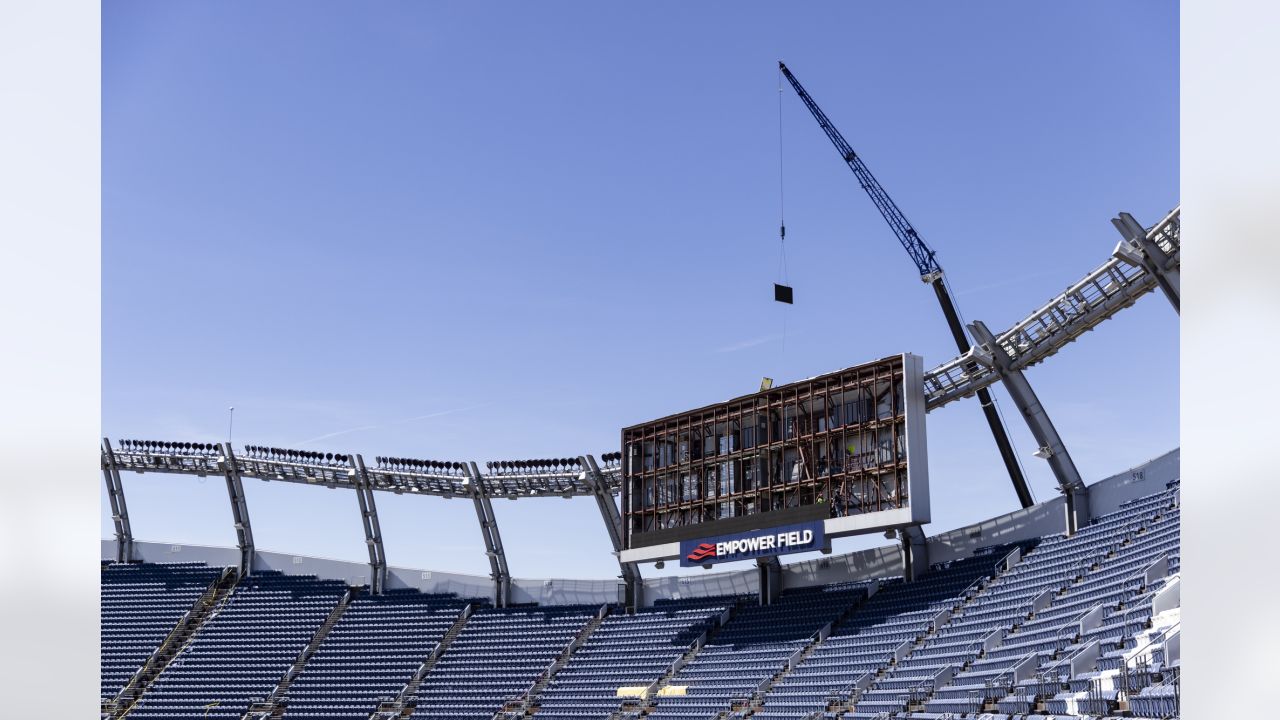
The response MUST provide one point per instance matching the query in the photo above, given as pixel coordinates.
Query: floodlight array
(611, 469)
(200, 459)
(296, 456)
(300, 466)
(536, 478)
(423, 477)
(161, 447)
(534, 467)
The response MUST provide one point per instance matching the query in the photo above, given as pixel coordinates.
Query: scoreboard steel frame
(847, 448)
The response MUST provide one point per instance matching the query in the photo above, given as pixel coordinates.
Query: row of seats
(497, 658)
(752, 647)
(371, 653)
(242, 652)
(140, 605)
(627, 650)
(897, 615)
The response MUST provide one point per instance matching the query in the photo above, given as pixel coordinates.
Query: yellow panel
(634, 691)
(679, 690)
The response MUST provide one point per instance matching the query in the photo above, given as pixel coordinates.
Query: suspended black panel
(782, 293)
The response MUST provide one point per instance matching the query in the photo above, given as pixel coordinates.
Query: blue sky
(498, 231)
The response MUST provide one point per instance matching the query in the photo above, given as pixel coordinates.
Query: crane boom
(911, 241)
(930, 272)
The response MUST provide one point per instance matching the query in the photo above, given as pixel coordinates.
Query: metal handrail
(1002, 561)
(977, 583)
(1138, 655)
(992, 681)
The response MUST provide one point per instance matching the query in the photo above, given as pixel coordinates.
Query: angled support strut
(492, 539)
(372, 529)
(613, 524)
(119, 511)
(1052, 448)
(239, 509)
(1139, 249)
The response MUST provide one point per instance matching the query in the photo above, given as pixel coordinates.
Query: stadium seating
(370, 654)
(497, 657)
(140, 605)
(241, 653)
(1068, 628)
(752, 647)
(627, 651)
(1093, 578)
(899, 613)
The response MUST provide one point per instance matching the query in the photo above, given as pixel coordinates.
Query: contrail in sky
(415, 418)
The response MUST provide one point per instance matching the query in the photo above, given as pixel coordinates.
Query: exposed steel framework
(839, 439)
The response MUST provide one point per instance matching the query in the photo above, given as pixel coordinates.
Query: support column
(769, 572)
(372, 529)
(492, 538)
(119, 511)
(613, 525)
(239, 509)
(1052, 448)
(915, 552)
(1138, 249)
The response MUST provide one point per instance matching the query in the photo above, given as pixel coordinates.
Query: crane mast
(930, 272)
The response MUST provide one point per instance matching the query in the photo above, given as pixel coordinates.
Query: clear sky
(478, 231)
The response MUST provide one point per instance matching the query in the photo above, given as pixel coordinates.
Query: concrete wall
(1047, 518)
(349, 572)
(865, 564)
(172, 553)
(739, 582)
(434, 581)
(559, 591)
(1148, 478)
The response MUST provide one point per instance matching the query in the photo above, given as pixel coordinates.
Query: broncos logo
(702, 552)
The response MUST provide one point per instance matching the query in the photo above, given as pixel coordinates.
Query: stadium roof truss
(566, 478)
(1143, 261)
(1113, 286)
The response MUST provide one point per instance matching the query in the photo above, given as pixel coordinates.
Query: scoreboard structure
(780, 471)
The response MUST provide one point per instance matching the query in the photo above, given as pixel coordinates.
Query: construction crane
(930, 272)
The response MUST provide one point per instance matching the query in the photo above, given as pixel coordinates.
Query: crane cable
(782, 217)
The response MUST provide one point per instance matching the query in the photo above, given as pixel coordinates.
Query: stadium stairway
(751, 648)
(270, 708)
(867, 660)
(523, 705)
(239, 653)
(205, 607)
(497, 658)
(401, 707)
(641, 650)
(797, 658)
(692, 653)
(141, 603)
